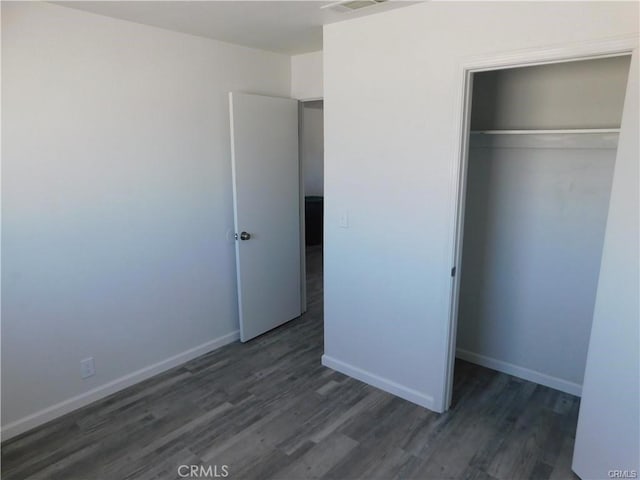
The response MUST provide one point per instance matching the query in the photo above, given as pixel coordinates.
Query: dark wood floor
(268, 409)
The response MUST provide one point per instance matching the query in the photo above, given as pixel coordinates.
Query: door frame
(611, 47)
(303, 236)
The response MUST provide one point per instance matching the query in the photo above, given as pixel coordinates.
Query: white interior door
(266, 198)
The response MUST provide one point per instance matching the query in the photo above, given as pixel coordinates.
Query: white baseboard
(525, 373)
(45, 415)
(379, 382)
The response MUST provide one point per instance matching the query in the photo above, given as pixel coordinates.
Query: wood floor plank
(562, 467)
(370, 460)
(319, 459)
(524, 445)
(269, 409)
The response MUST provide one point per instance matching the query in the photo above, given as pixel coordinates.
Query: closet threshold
(543, 132)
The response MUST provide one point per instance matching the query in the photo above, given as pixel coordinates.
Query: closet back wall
(535, 217)
(584, 94)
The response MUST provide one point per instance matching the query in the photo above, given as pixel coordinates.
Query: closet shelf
(542, 132)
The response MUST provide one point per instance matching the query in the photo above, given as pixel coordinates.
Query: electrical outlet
(87, 367)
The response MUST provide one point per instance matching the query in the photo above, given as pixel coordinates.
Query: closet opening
(540, 156)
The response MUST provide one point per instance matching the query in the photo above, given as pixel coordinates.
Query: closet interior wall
(535, 215)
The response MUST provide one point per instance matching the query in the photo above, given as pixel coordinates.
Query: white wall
(116, 196)
(312, 147)
(584, 94)
(391, 84)
(306, 76)
(535, 215)
(608, 435)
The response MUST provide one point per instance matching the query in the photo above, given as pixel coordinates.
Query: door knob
(245, 236)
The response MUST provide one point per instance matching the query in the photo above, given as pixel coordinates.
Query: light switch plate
(344, 220)
(87, 367)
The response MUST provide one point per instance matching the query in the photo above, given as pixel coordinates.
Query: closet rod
(538, 132)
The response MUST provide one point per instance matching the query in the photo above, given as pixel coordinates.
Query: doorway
(311, 135)
(276, 156)
(540, 152)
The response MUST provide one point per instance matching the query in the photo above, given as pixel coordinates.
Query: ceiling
(290, 27)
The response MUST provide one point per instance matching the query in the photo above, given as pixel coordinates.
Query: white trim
(607, 47)
(588, 141)
(459, 178)
(54, 411)
(521, 372)
(544, 132)
(302, 213)
(236, 228)
(379, 382)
